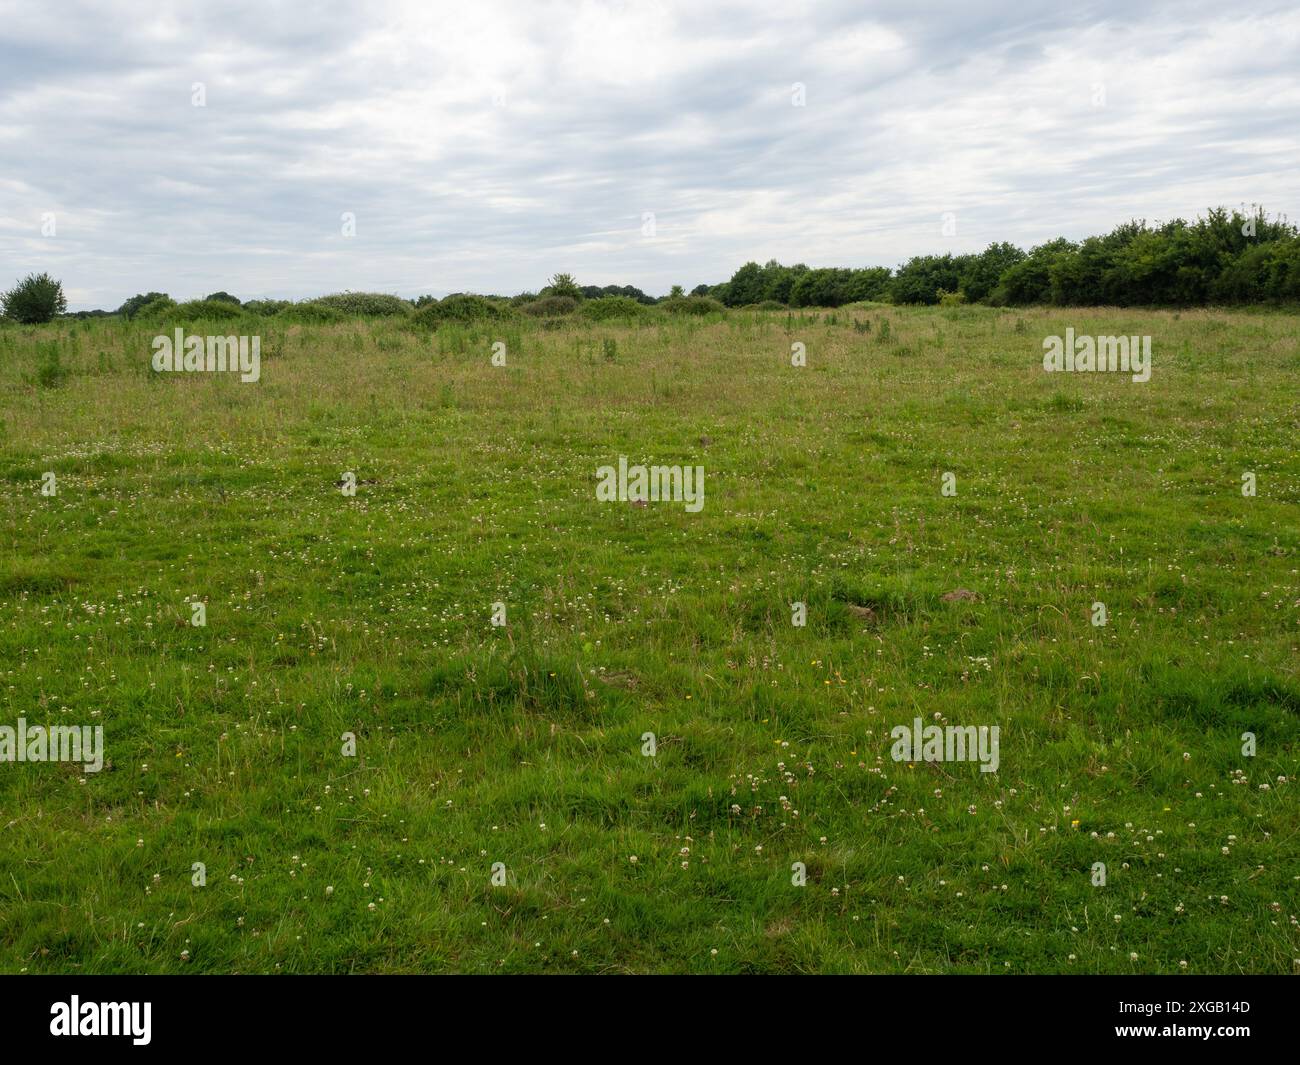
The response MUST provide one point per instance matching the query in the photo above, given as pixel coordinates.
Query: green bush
(365, 304)
(923, 277)
(828, 287)
(36, 298)
(137, 303)
(166, 311)
(205, 310)
(551, 306)
(563, 285)
(608, 307)
(692, 305)
(155, 310)
(312, 312)
(1029, 280)
(458, 308)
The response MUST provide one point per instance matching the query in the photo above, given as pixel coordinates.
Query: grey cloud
(386, 110)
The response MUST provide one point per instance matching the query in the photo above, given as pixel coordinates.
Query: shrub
(551, 306)
(826, 288)
(594, 292)
(168, 310)
(563, 285)
(36, 298)
(365, 304)
(607, 307)
(458, 308)
(312, 312)
(207, 310)
(871, 283)
(1029, 280)
(923, 277)
(155, 309)
(746, 286)
(982, 272)
(950, 299)
(692, 305)
(137, 303)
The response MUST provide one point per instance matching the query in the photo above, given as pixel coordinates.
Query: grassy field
(522, 745)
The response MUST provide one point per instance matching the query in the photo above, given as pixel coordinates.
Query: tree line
(1224, 257)
(1227, 257)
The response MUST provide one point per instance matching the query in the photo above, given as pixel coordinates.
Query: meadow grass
(522, 744)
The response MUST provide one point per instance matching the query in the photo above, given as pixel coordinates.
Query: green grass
(522, 745)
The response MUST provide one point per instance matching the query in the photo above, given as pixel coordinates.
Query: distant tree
(825, 287)
(1029, 280)
(982, 272)
(920, 279)
(779, 281)
(1159, 266)
(36, 298)
(629, 291)
(871, 283)
(745, 286)
(137, 303)
(1081, 276)
(563, 285)
(224, 297)
(1262, 272)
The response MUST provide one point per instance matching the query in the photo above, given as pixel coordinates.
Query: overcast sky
(483, 146)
